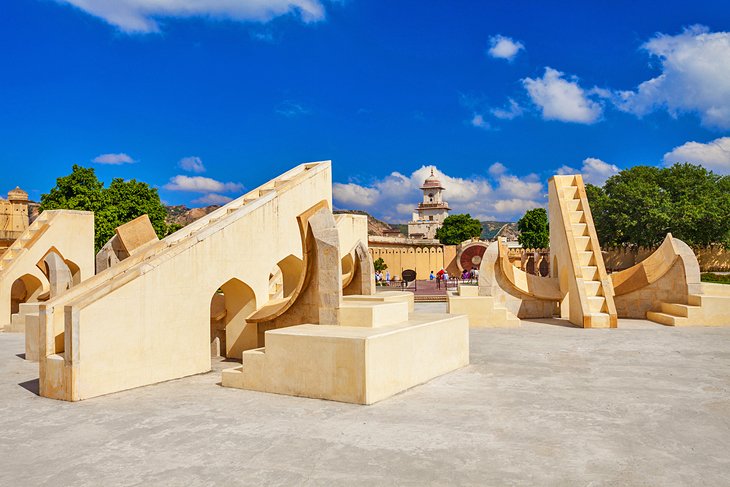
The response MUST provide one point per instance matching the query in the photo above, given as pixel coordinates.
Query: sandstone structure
(272, 278)
(431, 212)
(664, 288)
(14, 218)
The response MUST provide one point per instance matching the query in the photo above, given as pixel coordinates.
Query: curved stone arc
(348, 269)
(538, 287)
(647, 271)
(362, 280)
(275, 308)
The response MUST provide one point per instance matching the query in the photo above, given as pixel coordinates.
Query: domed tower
(431, 212)
(13, 217)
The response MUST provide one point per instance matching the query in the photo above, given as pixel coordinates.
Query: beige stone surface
(421, 258)
(147, 319)
(482, 311)
(576, 258)
(360, 365)
(136, 233)
(24, 275)
(385, 297)
(372, 315)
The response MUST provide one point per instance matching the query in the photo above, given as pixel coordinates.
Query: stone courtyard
(542, 404)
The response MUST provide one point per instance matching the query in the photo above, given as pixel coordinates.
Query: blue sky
(209, 97)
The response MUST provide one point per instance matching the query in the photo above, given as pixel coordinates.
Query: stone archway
(230, 305)
(25, 288)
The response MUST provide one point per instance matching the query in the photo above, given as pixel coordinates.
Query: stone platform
(363, 363)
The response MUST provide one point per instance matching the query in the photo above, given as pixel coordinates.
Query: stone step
(709, 300)
(570, 192)
(593, 288)
(574, 205)
(600, 320)
(583, 243)
(384, 297)
(683, 310)
(580, 229)
(586, 258)
(715, 289)
(596, 303)
(590, 272)
(372, 315)
(663, 318)
(577, 216)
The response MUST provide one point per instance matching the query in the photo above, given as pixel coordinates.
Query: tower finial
(431, 170)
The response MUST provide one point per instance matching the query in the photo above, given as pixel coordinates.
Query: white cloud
(200, 184)
(562, 99)
(354, 194)
(497, 169)
(512, 110)
(395, 197)
(291, 109)
(714, 155)
(141, 16)
(113, 159)
(191, 164)
(594, 171)
(212, 199)
(504, 47)
(695, 77)
(479, 122)
(516, 206)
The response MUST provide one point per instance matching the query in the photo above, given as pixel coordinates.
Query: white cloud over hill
(200, 184)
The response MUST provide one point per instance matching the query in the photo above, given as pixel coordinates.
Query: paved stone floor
(544, 404)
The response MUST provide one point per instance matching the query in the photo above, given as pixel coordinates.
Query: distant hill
(375, 226)
(491, 229)
(182, 215)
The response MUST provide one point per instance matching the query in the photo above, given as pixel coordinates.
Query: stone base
(384, 297)
(360, 365)
(482, 312)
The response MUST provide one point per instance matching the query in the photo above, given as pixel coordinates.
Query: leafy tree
(457, 228)
(380, 264)
(638, 206)
(534, 229)
(121, 202)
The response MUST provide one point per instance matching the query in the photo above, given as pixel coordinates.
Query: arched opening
(24, 289)
(284, 278)
(291, 268)
(75, 272)
(230, 334)
(348, 269)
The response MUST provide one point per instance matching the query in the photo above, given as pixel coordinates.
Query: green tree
(457, 228)
(534, 229)
(638, 206)
(380, 264)
(121, 202)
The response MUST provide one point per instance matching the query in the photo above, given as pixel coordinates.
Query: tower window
(430, 217)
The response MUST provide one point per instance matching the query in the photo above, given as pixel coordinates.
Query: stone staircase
(378, 349)
(591, 280)
(31, 233)
(483, 311)
(707, 309)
